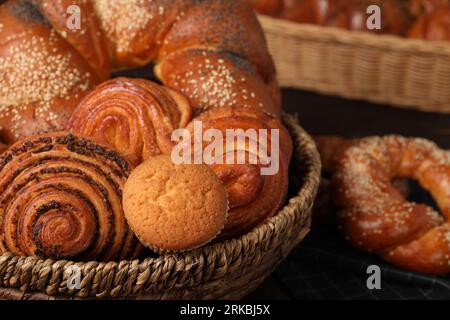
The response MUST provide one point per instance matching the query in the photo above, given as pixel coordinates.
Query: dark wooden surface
(330, 115)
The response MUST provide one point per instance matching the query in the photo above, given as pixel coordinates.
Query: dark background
(323, 266)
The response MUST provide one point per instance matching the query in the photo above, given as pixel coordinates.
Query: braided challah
(213, 51)
(211, 57)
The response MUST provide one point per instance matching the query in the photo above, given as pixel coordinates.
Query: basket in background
(384, 69)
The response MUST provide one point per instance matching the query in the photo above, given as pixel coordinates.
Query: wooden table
(330, 115)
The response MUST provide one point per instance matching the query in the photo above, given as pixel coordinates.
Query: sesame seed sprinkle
(368, 198)
(34, 73)
(122, 20)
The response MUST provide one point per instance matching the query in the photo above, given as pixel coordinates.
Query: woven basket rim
(300, 203)
(352, 38)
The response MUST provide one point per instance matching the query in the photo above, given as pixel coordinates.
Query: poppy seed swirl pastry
(134, 116)
(61, 197)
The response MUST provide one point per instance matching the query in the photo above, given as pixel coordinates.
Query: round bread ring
(47, 67)
(376, 217)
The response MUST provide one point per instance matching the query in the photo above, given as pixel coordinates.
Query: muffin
(174, 207)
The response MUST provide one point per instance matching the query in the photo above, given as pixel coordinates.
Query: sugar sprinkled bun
(173, 207)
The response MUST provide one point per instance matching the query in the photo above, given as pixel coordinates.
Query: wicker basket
(378, 68)
(228, 270)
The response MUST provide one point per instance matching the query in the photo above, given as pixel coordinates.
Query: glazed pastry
(57, 66)
(331, 148)
(346, 14)
(42, 76)
(269, 7)
(88, 39)
(61, 197)
(376, 217)
(433, 26)
(220, 79)
(321, 12)
(214, 52)
(134, 116)
(3, 147)
(419, 7)
(174, 207)
(349, 14)
(253, 197)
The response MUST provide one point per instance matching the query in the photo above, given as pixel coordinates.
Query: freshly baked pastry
(174, 207)
(61, 197)
(219, 79)
(419, 7)
(3, 147)
(330, 148)
(346, 14)
(42, 76)
(252, 196)
(134, 116)
(269, 7)
(433, 26)
(46, 68)
(214, 52)
(375, 216)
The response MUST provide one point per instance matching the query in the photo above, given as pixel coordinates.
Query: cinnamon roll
(134, 116)
(253, 194)
(61, 198)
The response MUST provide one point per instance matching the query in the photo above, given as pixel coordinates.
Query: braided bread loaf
(212, 51)
(211, 57)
